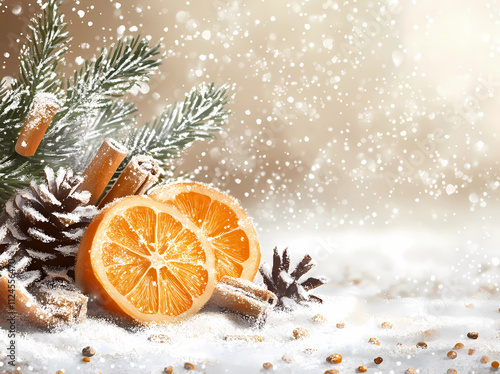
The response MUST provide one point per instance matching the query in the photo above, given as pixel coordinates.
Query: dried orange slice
(222, 221)
(143, 259)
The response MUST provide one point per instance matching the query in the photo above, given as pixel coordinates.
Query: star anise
(288, 285)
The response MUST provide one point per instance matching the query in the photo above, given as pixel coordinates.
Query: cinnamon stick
(251, 288)
(63, 304)
(244, 298)
(16, 302)
(101, 169)
(47, 310)
(41, 114)
(139, 174)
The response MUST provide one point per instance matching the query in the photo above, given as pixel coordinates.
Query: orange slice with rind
(144, 259)
(220, 220)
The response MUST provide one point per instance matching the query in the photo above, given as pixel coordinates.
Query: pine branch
(46, 44)
(92, 108)
(200, 116)
(38, 65)
(90, 101)
(118, 115)
(114, 73)
(38, 73)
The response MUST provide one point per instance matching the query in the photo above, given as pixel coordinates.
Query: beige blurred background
(347, 115)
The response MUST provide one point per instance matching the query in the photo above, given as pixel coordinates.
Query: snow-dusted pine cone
(287, 285)
(41, 226)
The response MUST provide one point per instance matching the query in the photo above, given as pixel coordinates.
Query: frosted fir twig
(91, 101)
(47, 42)
(45, 45)
(200, 116)
(114, 73)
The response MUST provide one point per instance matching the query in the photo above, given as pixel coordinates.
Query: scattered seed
(159, 338)
(169, 370)
(88, 351)
(469, 306)
(86, 359)
(451, 371)
(334, 359)
(267, 365)
(374, 341)
(362, 369)
(188, 366)
(286, 358)
(341, 325)
(310, 351)
(378, 360)
(495, 365)
(386, 325)
(471, 351)
(452, 355)
(319, 319)
(410, 371)
(485, 359)
(430, 334)
(246, 338)
(422, 345)
(300, 333)
(473, 335)
(458, 346)
(331, 371)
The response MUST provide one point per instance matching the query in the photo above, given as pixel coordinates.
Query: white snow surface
(200, 340)
(430, 304)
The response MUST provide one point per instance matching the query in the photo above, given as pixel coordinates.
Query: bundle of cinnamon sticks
(139, 174)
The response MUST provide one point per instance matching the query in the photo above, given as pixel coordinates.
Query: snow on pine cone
(41, 226)
(288, 286)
